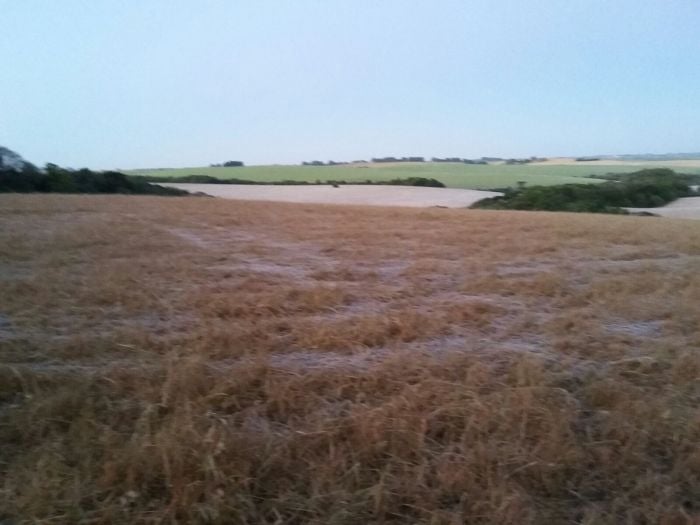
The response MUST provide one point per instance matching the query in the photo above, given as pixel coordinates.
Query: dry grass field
(683, 208)
(193, 360)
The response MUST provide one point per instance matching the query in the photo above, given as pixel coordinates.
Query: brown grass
(201, 361)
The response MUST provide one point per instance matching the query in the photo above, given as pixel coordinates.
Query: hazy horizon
(174, 84)
(427, 158)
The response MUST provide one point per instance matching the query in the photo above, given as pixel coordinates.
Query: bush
(642, 189)
(417, 181)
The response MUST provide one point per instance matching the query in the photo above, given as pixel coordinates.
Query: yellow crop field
(192, 360)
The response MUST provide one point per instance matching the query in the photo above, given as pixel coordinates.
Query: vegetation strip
(207, 179)
(641, 189)
(19, 176)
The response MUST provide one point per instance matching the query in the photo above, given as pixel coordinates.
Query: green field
(452, 175)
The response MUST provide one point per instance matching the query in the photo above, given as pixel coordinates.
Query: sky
(172, 83)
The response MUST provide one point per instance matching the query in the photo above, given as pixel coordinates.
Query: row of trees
(54, 179)
(208, 179)
(228, 164)
(398, 159)
(482, 160)
(525, 161)
(461, 160)
(330, 163)
(458, 159)
(375, 159)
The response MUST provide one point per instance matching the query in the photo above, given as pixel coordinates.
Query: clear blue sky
(149, 83)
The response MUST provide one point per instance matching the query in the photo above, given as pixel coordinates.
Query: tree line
(373, 159)
(330, 163)
(208, 179)
(458, 160)
(228, 164)
(19, 176)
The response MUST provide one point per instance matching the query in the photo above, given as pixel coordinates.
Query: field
(687, 165)
(452, 175)
(683, 208)
(190, 360)
(374, 195)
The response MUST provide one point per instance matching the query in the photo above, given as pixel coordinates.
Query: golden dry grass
(200, 361)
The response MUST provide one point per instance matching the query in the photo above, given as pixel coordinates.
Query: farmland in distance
(453, 175)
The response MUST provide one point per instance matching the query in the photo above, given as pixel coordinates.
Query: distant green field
(452, 175)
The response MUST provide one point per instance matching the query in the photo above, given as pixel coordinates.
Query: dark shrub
(641, 189)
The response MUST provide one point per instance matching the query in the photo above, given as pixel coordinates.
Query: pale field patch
(199, 360)
(684, 208)
(373, 195)
(677, 165)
